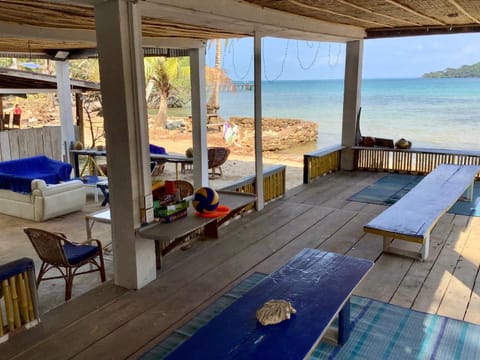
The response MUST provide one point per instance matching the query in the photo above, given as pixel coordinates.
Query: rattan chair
(216, 158)
(56, 252)
(186, 189)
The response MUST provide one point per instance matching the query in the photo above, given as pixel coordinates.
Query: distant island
(466, 71)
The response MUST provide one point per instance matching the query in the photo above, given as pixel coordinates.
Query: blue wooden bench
(317, 283)
(415, 214)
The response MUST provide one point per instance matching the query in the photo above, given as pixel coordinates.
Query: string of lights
(282, 66)
(314, 60)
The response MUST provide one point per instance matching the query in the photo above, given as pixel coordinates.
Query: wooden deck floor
(113, 323)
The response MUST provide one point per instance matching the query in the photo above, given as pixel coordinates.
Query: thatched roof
(40, 28)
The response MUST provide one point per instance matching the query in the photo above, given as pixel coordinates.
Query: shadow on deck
(111, 322)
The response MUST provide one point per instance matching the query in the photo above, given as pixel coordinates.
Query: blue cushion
(16, 267)
(76, 254)
(154, 149)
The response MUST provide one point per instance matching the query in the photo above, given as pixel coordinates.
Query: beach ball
(205, 200)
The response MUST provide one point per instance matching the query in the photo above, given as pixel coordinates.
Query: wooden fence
(17, 144)
(411, 161)
(320, 162)
(274, 183)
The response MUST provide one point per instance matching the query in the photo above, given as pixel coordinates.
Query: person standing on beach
(17, 110)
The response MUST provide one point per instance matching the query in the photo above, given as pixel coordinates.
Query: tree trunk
(148, 90)
(162, 111)
(213, 103)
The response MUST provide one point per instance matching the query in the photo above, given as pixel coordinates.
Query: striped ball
(205, 200)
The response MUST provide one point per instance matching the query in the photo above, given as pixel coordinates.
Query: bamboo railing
(274, 183)
(18, 297)
(412, 161)
(320, 162)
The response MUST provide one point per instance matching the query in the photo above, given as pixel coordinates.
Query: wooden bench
(318, 284)
(415, 214)
(165, 234)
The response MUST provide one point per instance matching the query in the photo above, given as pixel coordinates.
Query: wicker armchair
(56, 252)
(186, 189)
(216, 158)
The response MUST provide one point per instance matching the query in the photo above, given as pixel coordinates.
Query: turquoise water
(436, 113)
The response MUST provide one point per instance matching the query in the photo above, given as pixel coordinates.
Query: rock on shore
(277, 133)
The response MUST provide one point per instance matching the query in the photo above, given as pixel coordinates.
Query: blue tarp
(17, 175)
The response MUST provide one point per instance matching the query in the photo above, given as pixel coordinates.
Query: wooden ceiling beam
(23, 31)
(414, 12)
(463, 11)
(246, 18)
(375, 13)
(336, 13)
(421, 31)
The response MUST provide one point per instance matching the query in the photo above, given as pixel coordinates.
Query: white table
(102, 216)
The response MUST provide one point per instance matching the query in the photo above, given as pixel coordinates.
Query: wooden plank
(389, 271)
(457, 295)
(368, 247)
(436, 283)
(62, 316)
(282, 255)
(14, 147)
(347, 236)
(4, 146)
(473, 310)
(413, 281)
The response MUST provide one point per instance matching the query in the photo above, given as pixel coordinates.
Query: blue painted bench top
(317, 283)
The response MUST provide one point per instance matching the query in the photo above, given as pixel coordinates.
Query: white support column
(199, 117)
(351, 99)
(65, 105)
(118, 28)
(257, 80)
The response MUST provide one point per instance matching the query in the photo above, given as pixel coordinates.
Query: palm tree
(217, 77)
(165, 74)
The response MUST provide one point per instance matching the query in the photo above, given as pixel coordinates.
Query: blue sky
(406, 57)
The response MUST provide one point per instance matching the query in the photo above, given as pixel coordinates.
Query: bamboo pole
(29, 281)
(23, 297)
(1, 321)
(8, 305)
(16, 307)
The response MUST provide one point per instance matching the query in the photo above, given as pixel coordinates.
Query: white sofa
(45, 201)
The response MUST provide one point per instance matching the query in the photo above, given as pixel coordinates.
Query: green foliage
(466, 71)
(5, 62)
(85, 69)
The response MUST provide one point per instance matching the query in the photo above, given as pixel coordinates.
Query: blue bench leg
(344, 325)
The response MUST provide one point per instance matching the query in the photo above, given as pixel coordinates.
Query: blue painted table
(317, 283)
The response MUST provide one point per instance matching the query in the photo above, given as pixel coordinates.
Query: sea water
(433, 113)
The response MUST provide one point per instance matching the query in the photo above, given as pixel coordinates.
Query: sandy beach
(239, 164)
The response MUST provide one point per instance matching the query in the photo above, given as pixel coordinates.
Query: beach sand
(240, 162)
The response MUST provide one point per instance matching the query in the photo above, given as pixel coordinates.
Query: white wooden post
(118, 26)
(199, 117)
(257, 80)
(351, 100)
(65, 105)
